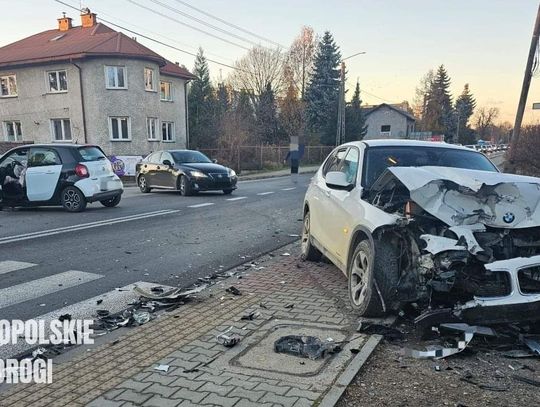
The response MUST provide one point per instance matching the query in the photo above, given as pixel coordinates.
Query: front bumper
(516, 306)
(213, 184)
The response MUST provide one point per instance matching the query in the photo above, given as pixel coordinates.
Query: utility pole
(524, 92)
(340, 135)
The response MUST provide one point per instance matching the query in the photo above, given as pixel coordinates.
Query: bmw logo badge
(509, 217)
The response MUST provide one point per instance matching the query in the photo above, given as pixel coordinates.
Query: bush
(527, 158)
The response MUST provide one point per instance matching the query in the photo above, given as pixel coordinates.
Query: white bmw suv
(424, 222)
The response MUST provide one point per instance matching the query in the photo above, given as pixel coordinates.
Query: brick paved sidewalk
(123, 374)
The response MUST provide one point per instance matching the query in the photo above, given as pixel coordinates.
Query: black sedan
(187, 171)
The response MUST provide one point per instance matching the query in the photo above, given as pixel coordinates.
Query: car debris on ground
(309, 347)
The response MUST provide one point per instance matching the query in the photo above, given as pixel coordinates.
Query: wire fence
(264, 157)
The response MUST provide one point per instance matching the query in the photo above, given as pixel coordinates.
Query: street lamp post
(340, 134)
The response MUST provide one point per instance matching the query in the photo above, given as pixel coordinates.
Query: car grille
(220, 177)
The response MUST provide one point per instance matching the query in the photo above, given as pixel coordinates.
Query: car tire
(184, 186)
(143, 184)
(227, 191)
(111, 203)
(309, 252)
(372, 276)
(72, 199)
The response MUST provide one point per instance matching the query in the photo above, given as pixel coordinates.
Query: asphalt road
(50, 259)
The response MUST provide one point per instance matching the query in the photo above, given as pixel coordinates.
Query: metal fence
(264, 157)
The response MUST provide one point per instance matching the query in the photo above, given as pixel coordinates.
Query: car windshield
(91, 153)
(183, 157)
(379, 158)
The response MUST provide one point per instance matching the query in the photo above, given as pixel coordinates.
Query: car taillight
(81, 171)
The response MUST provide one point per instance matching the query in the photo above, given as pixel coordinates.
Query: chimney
(64, 23)
(88, 19)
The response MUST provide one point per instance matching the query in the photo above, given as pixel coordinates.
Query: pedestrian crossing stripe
(8, 266)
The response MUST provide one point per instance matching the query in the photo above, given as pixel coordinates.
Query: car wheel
(227, 191)
(73, 200)
(372, 276)
(110, 203)
(309, 252)
(184, 186)
(143, 184)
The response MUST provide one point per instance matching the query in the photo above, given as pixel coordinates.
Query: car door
(165, 174)
(43, 173)
(344, 206)
(322, 213)
(149, 168)
(12, 168)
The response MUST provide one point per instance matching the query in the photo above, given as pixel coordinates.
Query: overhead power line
(186, 24)
(153, 39)
(221, 20)
(205, 23)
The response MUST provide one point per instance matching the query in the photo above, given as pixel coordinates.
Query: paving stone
(111, 395)
(247, 403)
(102, 402)
(160, 378)
(157, 388)
(158, 401)
(219, 400)
(130, 395)
(274, 398)
(246, 394)
(186, 394)
(306, 394)
(187, 383)
(207, 377)
(281, 390)
(303, 403)
(134, 385)
(216, 388)
(234, 381)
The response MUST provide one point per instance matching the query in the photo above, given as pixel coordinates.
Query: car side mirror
(168, 163)
(214, 161)
(338, 180)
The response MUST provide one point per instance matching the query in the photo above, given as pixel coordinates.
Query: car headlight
(232, 173)
(198, 174)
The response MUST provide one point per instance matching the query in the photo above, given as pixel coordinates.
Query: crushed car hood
(465, 197)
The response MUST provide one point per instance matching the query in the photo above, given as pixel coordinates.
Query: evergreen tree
(439, 113)
(223, 101)
(201, 105)
(323, 90)
(465, 105)
(267, 128)
(355, 122)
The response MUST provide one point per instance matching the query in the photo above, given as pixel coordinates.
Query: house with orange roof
(92, 84)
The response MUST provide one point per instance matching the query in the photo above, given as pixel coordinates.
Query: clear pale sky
(481, 42)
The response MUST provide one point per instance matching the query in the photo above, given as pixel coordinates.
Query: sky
(481, 42)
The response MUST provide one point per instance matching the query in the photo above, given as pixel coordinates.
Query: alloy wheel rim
(359, 277)
(182, 185)
(72, 199)
(305, 234)
(142, 183)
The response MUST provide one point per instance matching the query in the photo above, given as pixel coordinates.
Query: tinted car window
(91, 153)
(43, 156)
(189, 157)
(379, 158)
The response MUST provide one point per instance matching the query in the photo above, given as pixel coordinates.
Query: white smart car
(430, 223)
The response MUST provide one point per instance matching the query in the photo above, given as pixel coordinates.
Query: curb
(265, 176)
(340, 385)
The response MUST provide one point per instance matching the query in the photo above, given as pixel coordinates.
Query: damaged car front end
(469, 241)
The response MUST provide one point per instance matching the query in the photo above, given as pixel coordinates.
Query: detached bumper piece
(523, 301)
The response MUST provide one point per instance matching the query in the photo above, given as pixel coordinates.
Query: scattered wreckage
(467, 243)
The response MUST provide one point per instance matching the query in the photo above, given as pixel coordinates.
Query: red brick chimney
(64, 23)
(88, 19)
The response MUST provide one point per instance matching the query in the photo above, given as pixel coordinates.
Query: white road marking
(8, 266)
(82, 226)
(237, 198)
(288, 189)
(201, 205)
(113, 301)
(265, 193)
(43, 286)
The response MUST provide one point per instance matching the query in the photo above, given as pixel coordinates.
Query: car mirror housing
(167, 162)
(214, 161)
(338, 180)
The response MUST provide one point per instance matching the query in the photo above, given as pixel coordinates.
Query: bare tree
(300, 58)
(259, 67)
(292, 109)
(485, 120)
(421, 97)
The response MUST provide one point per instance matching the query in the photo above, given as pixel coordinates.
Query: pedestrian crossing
(114, 300)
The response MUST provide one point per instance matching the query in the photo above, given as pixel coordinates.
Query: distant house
(91, 84)
(388, 121)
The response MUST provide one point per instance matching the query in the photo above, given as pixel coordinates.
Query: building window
(385, 128)
(13, 131)
(167, 131)
(115, 77)
(165, 91)
(149, 80)
(8, 86)
(120, 128)
(152, 128)
(57, 81)
(61, 129)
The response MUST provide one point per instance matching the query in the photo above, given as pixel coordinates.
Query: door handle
(49, 172)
